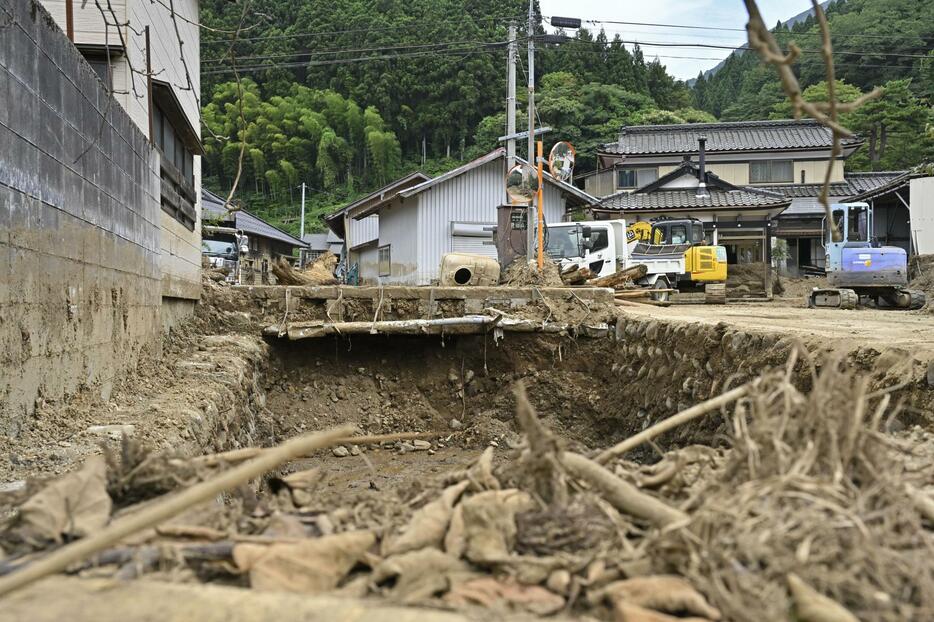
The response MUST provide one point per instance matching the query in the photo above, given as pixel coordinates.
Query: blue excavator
(859, 268)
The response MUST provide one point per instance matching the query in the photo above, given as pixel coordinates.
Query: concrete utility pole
(511, 97)
(530, 33)
(301, 227)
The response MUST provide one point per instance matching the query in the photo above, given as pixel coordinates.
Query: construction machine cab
(678, 231)
(663, 230)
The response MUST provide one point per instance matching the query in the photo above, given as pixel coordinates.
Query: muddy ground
(221, 386)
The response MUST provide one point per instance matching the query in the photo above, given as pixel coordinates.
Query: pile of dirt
(921, 275)
(810, 509)
(798, 288)
(749, 280)
(522, 274)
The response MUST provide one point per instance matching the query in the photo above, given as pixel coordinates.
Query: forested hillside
(348, 94)
(877, 43)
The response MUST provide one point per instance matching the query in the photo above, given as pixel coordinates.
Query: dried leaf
(494, 594)
(428, 524)
(309, 566)
(627, 612)
(74, 505)
(490, 523)
(662, 593)
(419, 575)
(812, 606)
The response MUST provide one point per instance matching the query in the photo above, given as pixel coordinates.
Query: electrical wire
(322, 33)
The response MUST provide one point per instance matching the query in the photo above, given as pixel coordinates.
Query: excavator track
(829, 298)
(915, 299)
(715, 293)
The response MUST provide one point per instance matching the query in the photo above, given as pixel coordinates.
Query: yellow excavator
(705, 265)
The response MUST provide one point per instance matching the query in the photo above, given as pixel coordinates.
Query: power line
(724, 29)
(421, 25)
(343, 61)
(355, 50)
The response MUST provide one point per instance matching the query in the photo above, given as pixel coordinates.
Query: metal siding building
(468, 198)
(422, 220)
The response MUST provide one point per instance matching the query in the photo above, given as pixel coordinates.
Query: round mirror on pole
(561, 160)
(521, 183)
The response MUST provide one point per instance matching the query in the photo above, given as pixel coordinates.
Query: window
(636, 177)
(599, 239)
(679, 234)
(385, 265)
(102, 68)
(177, 168)
(771, 172)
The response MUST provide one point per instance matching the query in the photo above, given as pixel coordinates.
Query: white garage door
(472, 238)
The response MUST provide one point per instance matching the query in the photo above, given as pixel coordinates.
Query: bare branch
(827, 113)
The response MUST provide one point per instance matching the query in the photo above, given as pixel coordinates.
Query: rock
(340, 451)
(354, 450)
(421, 445)
(335, 399)
(406, 447)
(456, 424)
(468, 376)
(113, 431)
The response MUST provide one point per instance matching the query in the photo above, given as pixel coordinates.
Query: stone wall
(80, 280)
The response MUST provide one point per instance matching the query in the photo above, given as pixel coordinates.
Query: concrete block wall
(80, 280)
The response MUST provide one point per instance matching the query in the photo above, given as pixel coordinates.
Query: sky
(705, 13)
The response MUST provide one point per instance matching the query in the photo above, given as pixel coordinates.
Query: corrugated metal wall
(398, 227)
(471, 197)
(363, 230)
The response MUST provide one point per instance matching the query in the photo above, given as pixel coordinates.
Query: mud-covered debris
(72, 506)
(428, 524)
(505, 596)
(668, 594)
(309, 566)
(812, 606)
(419, 575)
(490, 523)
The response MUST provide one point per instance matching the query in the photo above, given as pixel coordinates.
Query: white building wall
(921, 193)
(471, 197)
(398, 227)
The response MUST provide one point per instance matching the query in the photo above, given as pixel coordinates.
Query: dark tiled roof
(678, 199)
(856, 183)
(739, 136)
(897, 182)
(212, 207)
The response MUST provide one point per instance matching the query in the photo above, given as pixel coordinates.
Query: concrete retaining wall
(80, 279)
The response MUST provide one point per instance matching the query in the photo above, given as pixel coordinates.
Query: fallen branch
(239, 455)
(620, 494)
(672, 422)
(171, 506)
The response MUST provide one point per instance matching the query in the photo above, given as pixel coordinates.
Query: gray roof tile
(739, 136)
(678, 199)
(212, 207)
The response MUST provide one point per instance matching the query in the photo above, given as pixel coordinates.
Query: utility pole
(301, 227)
(511, 97)
(530, 221)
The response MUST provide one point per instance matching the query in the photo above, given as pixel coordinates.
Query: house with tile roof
(267, 243)
(788, 158)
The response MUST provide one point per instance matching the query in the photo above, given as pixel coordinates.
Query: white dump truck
(602, 247)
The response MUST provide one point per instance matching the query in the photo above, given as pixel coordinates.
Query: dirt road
(912, 331)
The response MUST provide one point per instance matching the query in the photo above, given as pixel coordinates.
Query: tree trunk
(883, 141)
(872, 145)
